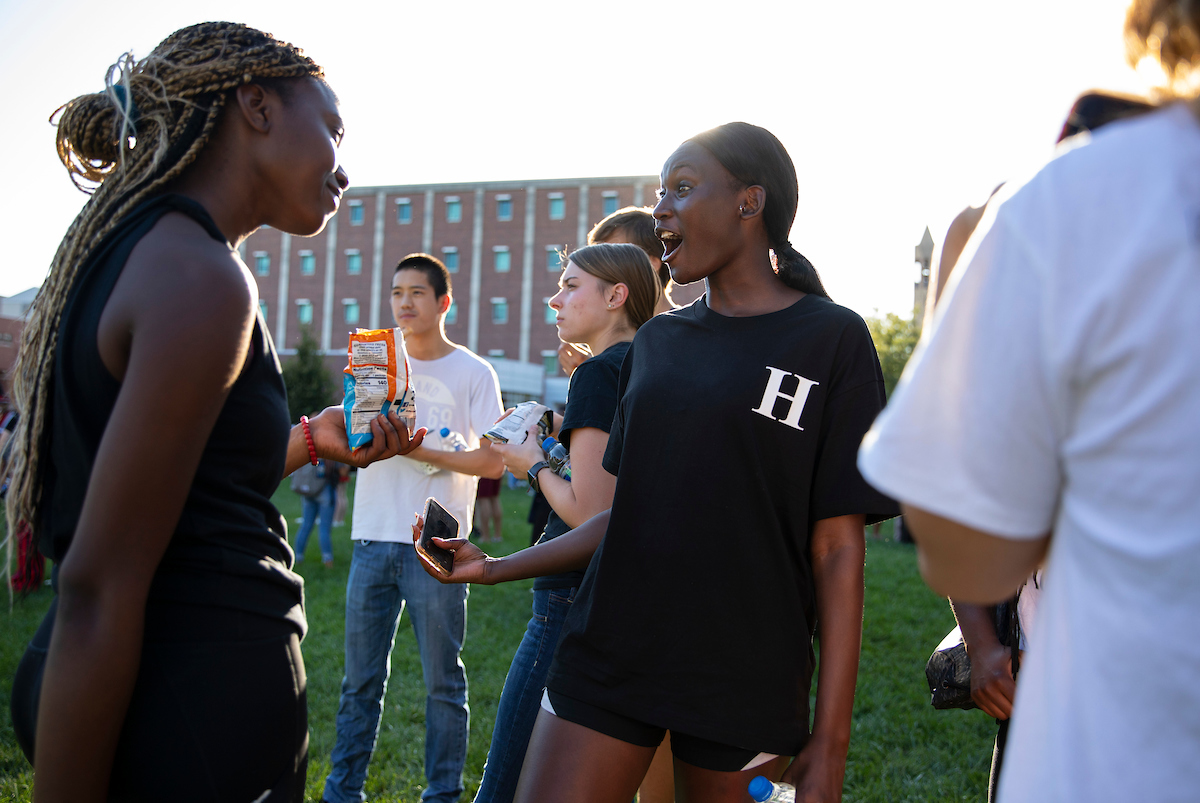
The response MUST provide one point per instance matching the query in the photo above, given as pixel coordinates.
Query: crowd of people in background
(704, 525)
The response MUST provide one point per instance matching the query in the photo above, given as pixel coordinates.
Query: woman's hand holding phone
(470, 562)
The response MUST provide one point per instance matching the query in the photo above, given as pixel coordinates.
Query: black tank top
(226, 573)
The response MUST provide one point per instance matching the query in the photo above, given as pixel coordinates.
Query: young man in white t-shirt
(454, 389)
(1052, 414)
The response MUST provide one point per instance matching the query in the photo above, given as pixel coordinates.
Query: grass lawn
(902, 749)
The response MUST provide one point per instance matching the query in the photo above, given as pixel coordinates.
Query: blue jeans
(320, 506)
(522, 695)
(386, 577)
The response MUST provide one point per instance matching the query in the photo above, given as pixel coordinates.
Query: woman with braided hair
(154, 430)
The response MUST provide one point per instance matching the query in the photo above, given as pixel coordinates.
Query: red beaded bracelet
(312, 450)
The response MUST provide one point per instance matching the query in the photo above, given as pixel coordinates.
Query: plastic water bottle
(764, 791)
(452, 441)
(443, 440)
(557, 457)
(433, 440)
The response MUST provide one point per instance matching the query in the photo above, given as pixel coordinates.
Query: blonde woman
(606, 292)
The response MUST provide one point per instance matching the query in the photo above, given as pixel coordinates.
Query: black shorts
(207, 720)
(702, 753)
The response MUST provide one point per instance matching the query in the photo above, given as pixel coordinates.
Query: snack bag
(513, 425)
(377, 378)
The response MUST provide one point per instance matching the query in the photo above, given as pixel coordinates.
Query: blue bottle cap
(761, 789)
(549, 443)
(444, 431)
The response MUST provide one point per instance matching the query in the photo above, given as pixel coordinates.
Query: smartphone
(438, 524)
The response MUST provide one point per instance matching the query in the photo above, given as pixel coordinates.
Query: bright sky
(897, 114)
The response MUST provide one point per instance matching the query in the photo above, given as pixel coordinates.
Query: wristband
(531, 475)
(312, 450)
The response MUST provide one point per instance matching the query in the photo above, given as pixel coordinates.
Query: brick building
(13, 310)
(500, 241)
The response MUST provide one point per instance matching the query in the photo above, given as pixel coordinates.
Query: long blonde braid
(124, 145)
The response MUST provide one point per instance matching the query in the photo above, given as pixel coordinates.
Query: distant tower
(924, 257)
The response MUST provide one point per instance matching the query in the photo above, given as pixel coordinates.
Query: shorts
(702, 753)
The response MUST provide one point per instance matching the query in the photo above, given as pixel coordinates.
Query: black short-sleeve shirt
(732, 436)
(591, 402)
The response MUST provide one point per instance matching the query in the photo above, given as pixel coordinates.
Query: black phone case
(439, 524)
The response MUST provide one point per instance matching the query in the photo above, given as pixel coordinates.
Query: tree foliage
(309, 386)
(895, 338)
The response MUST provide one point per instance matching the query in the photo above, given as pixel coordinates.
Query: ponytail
(796, 271)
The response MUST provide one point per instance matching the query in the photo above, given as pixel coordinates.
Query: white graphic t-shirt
(459, 391)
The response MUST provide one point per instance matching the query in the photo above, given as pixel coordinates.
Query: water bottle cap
(761, 789)
(444, 431)
(549, 443)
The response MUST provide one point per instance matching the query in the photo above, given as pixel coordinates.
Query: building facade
(13, 310)
(500, 240)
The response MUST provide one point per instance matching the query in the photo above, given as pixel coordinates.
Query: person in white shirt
(1051, 415)
(454, 389)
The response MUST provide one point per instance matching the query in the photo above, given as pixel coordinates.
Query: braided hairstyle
(753, 156)
(123, 145)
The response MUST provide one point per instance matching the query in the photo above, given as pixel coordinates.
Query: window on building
(496, 353)
(356, 213)
(353, 261)
(499, 310)
(453, 209)
(350, 310)
(503, 207)
(262, 308)
(610, 202)
(303, 310)
(551, 313)
(452, 314)
(558, 206)
(404, 210)
(550, 362)
(553, 258)
(501, 258)
(262, 263)
(450, 258)
(308, 263)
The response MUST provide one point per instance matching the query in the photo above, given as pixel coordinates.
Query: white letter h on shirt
(767, 406)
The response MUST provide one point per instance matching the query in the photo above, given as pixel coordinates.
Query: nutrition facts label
(377, 379)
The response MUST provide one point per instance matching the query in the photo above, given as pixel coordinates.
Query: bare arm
(590, 489)
(992, 684)
(970, 565)
(838, 553)
(177, 340)
(481, 462)
(328, 429)
(570, 551)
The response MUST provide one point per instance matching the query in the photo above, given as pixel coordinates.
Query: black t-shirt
(591, 402)
(226, 572)
(732, 436)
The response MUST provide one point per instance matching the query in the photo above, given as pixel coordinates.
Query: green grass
(902, 749)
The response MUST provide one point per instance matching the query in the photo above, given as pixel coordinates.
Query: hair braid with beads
(124, 145)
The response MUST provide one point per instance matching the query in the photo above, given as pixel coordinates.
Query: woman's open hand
(470, 562)
(390, 438)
